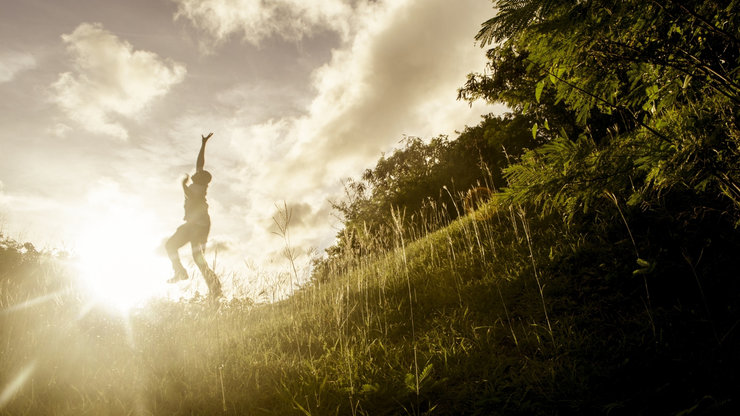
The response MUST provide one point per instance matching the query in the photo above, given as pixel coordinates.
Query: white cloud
(398, 76)
(257, 20)
(13, 63)
(110, 80)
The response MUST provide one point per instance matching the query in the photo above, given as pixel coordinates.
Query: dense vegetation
(624, 130)
(575, 256)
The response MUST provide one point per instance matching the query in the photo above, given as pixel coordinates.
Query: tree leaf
(538, 90)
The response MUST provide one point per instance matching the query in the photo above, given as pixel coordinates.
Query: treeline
(618, 109)
(421, 179)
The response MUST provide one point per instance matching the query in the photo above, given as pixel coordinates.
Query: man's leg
(178, 239)
(214, 286)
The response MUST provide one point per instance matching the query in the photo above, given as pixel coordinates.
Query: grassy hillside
(499, 313)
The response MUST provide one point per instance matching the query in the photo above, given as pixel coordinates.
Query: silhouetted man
(197, 226)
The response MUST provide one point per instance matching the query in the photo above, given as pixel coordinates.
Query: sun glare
(119, 259)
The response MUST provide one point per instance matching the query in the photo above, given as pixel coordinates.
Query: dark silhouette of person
(197, 226)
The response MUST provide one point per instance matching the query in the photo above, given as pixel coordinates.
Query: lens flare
(15, 385)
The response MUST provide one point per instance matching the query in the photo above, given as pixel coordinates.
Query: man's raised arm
(201, 155)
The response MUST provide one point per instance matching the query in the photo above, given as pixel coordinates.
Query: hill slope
(497, 313)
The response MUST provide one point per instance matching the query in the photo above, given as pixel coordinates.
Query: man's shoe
(178, 277)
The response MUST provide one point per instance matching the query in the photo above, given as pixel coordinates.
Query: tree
(651, 89)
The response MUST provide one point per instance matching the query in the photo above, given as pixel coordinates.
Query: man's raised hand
(205, 138)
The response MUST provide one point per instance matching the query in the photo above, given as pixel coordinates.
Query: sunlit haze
(118, 255)
(104, 104)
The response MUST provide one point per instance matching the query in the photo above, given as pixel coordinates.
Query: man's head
(202, 178)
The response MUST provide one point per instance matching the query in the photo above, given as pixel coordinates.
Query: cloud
(397, 77)
(23, 210)
(258, 20)
(26, 203)
(300, 217)
(13, 63)
(110, 80)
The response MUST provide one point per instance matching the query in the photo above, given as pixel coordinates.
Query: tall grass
(460, 318)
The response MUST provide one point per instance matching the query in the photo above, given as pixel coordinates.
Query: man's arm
(185, 184)
(202, 154)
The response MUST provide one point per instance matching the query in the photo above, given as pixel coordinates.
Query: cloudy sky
(103, 104)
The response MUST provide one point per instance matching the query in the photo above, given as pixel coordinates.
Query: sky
(104, 103)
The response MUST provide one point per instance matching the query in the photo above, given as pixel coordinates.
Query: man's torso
(196, 207)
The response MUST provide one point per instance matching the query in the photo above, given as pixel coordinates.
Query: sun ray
(34, 301)
(16, 384)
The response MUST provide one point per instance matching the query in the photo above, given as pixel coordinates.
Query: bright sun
(119, 258)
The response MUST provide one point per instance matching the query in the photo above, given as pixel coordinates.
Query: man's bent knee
(170, 246)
